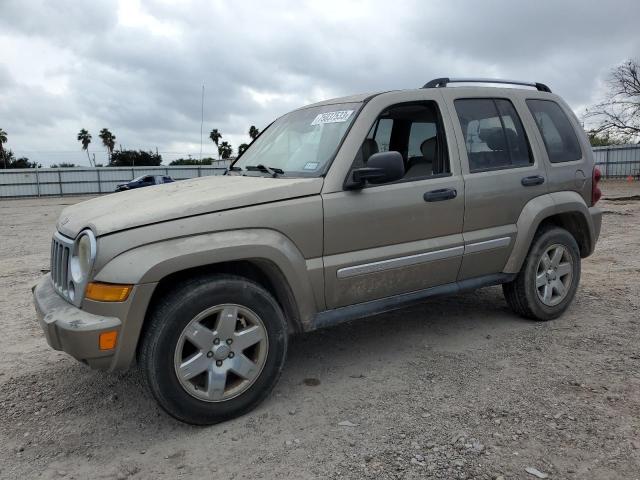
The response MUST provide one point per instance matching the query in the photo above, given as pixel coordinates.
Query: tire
(186, 332)
(528, 294)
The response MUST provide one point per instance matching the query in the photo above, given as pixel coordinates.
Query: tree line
(125, 158)
(225, 150)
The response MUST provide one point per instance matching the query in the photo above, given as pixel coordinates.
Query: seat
(493, 137)
(498, 154)
(423, 166)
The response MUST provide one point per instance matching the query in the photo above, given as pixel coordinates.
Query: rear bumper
(71, 329)
(596, 225)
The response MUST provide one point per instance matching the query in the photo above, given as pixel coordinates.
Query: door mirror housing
(382, 167)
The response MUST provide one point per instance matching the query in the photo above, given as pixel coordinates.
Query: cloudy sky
(137, 66)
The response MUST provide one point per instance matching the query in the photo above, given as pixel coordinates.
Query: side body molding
(152, 262)
(542, 207)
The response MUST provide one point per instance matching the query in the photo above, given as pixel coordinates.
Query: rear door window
(558, 135)
(493, 133)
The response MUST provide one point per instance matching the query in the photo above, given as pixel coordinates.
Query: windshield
(301, 142)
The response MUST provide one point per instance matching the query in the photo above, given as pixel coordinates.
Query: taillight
(596, 193)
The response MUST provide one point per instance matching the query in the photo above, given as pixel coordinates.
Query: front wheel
(214, 349)
(548, 280)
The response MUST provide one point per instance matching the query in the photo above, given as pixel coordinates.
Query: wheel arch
(563, 209)
(576, 224)
(264, 256)
(261, 271)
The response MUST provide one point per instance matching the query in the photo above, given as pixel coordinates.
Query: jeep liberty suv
(339, 210)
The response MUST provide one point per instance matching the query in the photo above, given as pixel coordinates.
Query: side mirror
(381, 167)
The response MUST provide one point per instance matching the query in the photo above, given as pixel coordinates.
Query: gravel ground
(455, 388)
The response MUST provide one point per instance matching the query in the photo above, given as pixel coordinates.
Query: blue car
(144, 181)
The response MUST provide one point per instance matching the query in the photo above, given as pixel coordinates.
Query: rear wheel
(214, 348)
(548, 280)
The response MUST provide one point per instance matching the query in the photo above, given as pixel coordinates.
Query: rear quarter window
(559, 137)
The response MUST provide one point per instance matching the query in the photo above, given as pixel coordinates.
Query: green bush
(134, 158)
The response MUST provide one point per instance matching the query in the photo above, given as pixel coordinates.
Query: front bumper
(71, 329)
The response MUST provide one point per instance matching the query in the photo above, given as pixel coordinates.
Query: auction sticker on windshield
(332, 117)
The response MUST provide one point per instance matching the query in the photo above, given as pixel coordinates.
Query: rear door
(399, 237)
(502, 171)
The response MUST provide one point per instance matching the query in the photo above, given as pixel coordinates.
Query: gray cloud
(6, 80)
(137, 67)
(63, 21)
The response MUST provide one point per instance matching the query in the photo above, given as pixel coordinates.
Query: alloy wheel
(221, 352)
(554, 275)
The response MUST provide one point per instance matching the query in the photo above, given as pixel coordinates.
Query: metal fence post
(60, 182)
(37, 181)
(606, 164)
(99, 180)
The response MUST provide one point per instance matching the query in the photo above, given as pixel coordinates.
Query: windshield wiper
(273, 171)
(232, 169)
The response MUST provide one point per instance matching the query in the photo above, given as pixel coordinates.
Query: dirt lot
(458, 387)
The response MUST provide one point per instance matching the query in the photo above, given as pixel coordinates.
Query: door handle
(440, 195)
(532, 180)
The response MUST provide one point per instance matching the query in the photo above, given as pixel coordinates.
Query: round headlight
(82, 257)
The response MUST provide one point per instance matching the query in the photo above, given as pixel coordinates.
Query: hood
(142, 206)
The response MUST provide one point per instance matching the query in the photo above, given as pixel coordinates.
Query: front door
(404, 236)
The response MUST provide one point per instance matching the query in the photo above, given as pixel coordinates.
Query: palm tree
(108, 140)
(253, 132)
(242, 147)
(225, 150)
(215, 137)
(3, 140)
(84, 137)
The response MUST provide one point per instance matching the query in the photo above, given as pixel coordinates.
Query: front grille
(60, 251)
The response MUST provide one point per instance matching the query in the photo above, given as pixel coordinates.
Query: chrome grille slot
(51, 261)
(56, 271)
(60, 266)
(65, 270)
(60, 252)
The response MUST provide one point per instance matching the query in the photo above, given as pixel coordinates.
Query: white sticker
(332, 117)
(311, 165)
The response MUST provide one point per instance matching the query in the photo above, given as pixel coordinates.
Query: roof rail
(442, 82)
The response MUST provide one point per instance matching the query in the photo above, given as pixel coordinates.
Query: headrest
(493, 137)
(428, 149)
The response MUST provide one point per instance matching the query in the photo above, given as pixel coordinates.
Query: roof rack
(442, 82)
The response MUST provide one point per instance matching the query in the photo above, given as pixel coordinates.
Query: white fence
(618, 161)
(40, 182)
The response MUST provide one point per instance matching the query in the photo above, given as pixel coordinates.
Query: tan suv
(338, 210)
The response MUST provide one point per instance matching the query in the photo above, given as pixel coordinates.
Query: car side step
(339, 315)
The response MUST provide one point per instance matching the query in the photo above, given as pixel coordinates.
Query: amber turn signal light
(107, 292)
(107, 340)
